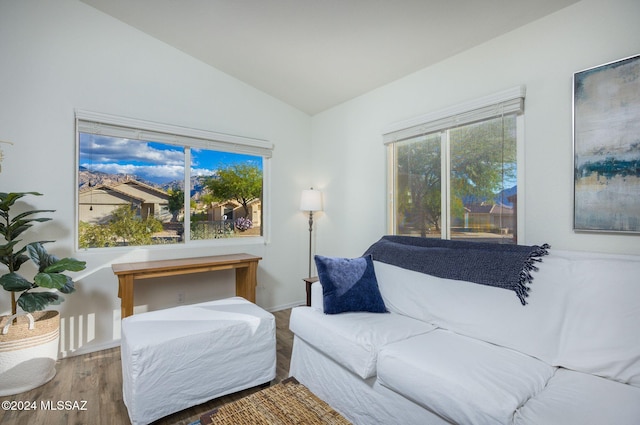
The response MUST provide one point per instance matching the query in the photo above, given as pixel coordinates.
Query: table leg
(125, 292)
(308, 292)
(247, 280)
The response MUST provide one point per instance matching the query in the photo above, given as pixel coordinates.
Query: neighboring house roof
(130, 191)
(488, 209)
(150, 194)
(103, 194)
(478, 208)
(501, 209)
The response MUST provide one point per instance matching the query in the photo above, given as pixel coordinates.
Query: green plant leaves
(50, 280)
(48, 263)
(14, 282)
(13, 260)
(50, 268)
(39, 255)
(65, 264)
(7, 249)
(17, 226)
(36, 301)
(68, 287)
(8, 199)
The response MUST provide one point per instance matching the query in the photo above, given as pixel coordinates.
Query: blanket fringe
(529, 266)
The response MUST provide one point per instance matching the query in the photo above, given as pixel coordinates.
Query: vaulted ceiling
(315, 54)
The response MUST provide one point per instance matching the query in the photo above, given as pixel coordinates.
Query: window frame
(188, 138)
(495, 105)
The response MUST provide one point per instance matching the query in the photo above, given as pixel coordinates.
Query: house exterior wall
(96, 205)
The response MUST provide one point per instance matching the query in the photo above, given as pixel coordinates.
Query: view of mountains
(87, 179)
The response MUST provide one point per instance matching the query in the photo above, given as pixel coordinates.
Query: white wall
(62, 55)
(350, 160)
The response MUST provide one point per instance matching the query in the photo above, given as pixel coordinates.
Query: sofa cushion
(582, 311)
(481, 311)
(353, 339)
(466, 381)
(579, 398)
(349, 284)
(601, 328)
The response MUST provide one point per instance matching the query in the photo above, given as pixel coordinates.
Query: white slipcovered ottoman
(183, 356)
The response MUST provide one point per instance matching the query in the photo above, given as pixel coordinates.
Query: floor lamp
(310, 201)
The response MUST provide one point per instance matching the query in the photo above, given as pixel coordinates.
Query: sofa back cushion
(484, 312)
(600, 333)
(583, 311)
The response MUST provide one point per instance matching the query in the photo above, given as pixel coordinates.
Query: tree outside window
(477, 176)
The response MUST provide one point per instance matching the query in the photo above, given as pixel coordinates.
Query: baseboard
(89, 349)
(286, 306)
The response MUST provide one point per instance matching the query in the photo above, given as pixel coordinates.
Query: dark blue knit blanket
(500, 265)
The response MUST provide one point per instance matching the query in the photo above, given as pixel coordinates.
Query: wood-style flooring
(96, 379)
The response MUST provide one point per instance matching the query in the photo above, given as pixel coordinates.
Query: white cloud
(100, 149)
(202, 172)
(150, 172)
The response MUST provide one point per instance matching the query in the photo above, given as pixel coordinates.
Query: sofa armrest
(317, 302)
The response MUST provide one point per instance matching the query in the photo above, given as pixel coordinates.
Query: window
(142, 183)
(453, 174)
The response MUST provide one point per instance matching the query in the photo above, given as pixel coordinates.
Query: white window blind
(134, 129)
(502, 103)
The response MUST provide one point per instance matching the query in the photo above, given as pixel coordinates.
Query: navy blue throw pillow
(349, 284)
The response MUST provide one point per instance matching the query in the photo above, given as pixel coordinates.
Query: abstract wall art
(606, 145)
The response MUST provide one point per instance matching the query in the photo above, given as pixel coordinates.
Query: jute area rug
(286, 403)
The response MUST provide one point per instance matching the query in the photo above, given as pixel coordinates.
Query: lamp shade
(311, 200)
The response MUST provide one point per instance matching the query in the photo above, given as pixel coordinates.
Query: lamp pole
(310, 232)
(310, 201)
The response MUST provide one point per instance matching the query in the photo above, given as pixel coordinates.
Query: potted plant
(29, 341)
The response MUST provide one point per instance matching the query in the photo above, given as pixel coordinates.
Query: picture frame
(606, 147)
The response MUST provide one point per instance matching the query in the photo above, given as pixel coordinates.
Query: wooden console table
(246, 267)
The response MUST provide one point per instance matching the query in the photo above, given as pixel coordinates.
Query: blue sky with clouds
(155, 162)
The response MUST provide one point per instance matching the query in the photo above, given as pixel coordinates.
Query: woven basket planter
(28, 356)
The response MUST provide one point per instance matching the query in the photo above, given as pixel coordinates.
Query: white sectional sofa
(452, 351)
